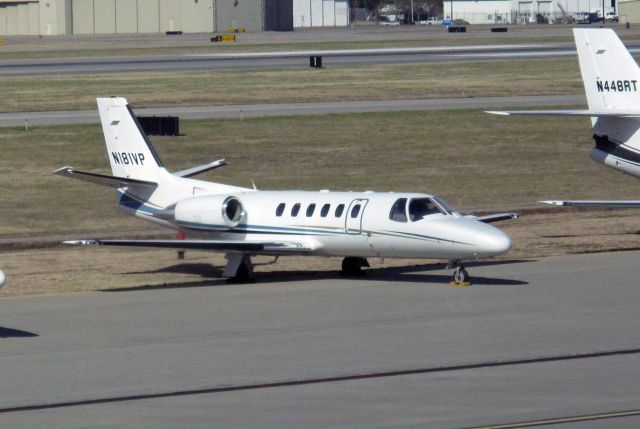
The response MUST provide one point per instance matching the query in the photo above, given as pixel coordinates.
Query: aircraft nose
(493, 242)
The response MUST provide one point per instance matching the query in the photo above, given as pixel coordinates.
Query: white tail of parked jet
(128, 149)
(611, 80)
(145, 187)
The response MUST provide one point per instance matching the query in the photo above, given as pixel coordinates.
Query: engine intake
(211, 212)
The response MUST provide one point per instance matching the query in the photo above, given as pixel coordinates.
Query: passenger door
(353, 220)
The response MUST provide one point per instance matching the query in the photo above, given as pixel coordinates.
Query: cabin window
(339, 210)
(355, 211)
(280, 209)
(310, 210)
(325, 210)
(398, 211)
(421, 207)
(295, 209)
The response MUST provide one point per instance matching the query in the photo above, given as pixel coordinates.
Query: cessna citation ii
(242, 222)
(612, 83)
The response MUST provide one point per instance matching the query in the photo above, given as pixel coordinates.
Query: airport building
(526, 11)
(629, 10)
(58, 17)
(321, 13)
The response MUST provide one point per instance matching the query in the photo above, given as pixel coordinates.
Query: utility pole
(412, 20)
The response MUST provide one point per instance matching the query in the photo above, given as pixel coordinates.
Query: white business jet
(612, 84)
(243, 222)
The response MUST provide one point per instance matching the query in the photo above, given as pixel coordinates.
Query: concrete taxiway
(279, 109)
(553, 341)
(280, 59)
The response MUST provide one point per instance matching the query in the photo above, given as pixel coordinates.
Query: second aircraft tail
(610, 74)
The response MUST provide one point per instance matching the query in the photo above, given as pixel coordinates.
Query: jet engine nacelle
(214, 212)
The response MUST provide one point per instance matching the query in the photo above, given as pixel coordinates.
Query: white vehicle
(391, 23)
(242, 222)
(612, 83)
(430, 21)
(612, 17)
(2, 278)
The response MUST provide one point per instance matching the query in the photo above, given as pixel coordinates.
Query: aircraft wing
(270, 248)
(595, 203)
(496, 217)
(590, 113)
(201, 168)
(101, 179)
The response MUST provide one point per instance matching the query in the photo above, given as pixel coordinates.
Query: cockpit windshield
(442, 203)
(415, 209)
(421, 207)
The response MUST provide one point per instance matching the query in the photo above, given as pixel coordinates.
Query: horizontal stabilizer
(201, 168)
(497, 217)
(595, 203)
(101, 179)
(588, 113)
(210, 245)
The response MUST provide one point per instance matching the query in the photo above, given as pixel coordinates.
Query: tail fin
(612, 84)
(610, 74)
(130, 153)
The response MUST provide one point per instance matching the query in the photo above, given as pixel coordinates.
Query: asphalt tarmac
(278, 59)
(553, 341)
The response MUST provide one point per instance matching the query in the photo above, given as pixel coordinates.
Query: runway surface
(257, 110)
(279, 59)
(553, 341)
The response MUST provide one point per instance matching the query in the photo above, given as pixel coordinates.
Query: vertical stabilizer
(611, 76)
(130, 153)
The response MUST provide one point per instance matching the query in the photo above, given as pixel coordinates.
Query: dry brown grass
(445, 152)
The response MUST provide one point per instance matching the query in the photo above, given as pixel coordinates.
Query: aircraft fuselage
(363, 224)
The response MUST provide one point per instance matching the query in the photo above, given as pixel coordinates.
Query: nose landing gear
(460, 275)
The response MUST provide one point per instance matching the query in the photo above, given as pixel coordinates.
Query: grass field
(444, 152)
(473, 160)
(370, 82)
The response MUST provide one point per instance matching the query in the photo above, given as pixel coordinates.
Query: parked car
(430, 21)
(612, 17)
(384, 20)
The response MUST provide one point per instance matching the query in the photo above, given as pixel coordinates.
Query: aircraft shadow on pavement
(204, 270)
(409, 274)
(15, 333)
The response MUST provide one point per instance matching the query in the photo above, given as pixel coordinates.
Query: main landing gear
(460, 275)
(352, 266)
(239, 268)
